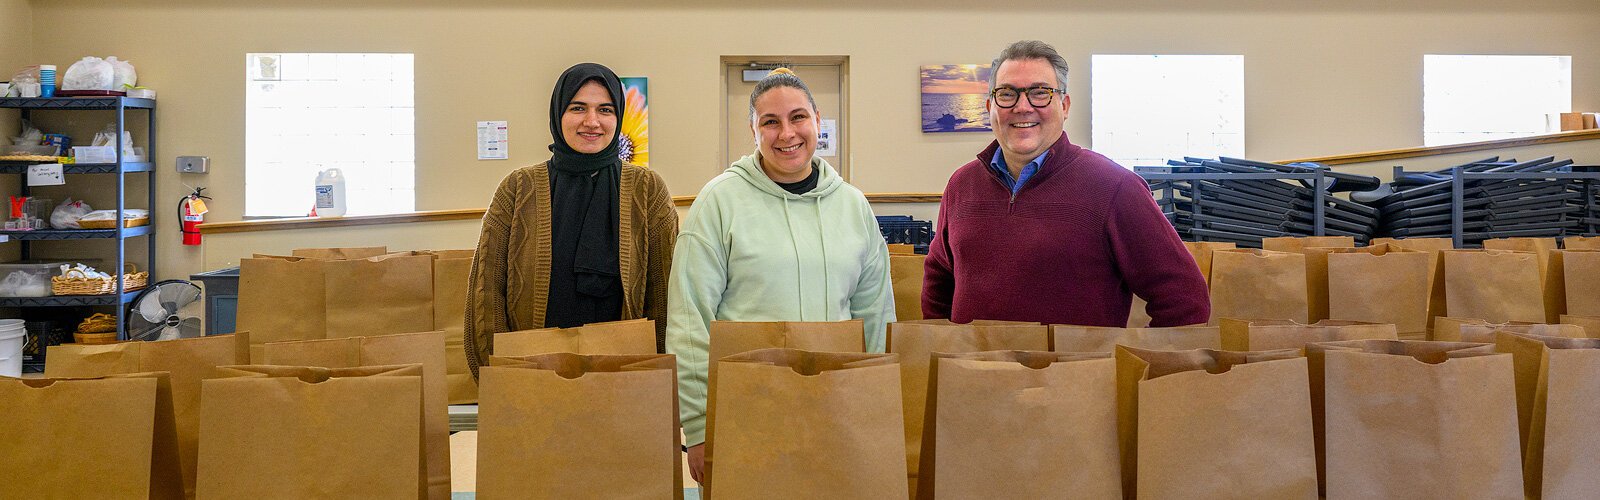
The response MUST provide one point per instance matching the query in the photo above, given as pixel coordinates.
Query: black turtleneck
(802, 186)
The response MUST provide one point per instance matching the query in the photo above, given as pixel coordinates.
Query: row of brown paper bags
(1365, 415)
(189, 360)
(1404, 282)
(326, 293)
(356, 417)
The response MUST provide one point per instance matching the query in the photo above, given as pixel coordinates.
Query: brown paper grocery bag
(311, 432)
(1248, 283)
(905, 273)
(578, 426)
(1269, 334)
(1496, 285)
(1478, 330)
(108, 437)
(1572, 284)
(1201, 251)
(1316, 289)
(339, 253)
(835, 433)
(451, 269)
(916, 342)
(1021, 424)
(1191, 422)
(1434, 247)
(281, 299)
(1415, 419)
(728, 338)
(425, 349)
(1377, 283)
(1299, 244)
(634, 336)
(1540, 247)
(380, 295)
(1558, 395)
(1074, 338)
(187, 362)
(1581, 243)
(1589, 324)
(902, 249)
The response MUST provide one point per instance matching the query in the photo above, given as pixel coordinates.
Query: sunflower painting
(635, 137)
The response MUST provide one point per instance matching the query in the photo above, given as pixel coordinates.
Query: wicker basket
(81, 285)
(95, 338)
(111, 224)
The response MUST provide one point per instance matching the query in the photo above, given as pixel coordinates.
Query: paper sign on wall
(828, 138)
(492, 141)
(48, 174)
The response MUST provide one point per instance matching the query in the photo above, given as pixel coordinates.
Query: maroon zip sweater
(1071, 247)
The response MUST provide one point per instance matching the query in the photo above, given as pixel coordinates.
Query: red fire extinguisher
(192, 209)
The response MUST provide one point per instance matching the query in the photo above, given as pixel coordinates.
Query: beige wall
(16, 51)
(1320, 79)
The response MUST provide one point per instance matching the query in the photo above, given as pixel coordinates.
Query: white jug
(330, 193)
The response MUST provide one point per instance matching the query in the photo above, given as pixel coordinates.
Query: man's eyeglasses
(1007, 97)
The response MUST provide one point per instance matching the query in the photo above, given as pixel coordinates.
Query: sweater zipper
(1013, 203)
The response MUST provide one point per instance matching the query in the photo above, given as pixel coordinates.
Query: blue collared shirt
(998, 164)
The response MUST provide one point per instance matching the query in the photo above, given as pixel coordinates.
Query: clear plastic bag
(66, 214)
(123, 74)
(24, 284)
(89, 73)
(25, 82)
(29, 136)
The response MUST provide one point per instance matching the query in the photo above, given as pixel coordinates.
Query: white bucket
(12, 339)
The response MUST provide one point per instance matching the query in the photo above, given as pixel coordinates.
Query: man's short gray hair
(1031, 49)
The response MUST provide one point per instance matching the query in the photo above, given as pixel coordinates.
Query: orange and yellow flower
(635, 137)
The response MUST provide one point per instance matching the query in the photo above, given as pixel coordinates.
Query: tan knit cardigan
(510, 282)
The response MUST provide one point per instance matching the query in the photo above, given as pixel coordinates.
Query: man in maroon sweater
(1038, 229)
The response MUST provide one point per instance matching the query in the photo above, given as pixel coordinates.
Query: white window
(305, 113)
(1152, 108)
(1481, 98)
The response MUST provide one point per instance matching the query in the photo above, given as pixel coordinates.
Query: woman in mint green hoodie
(777, 237)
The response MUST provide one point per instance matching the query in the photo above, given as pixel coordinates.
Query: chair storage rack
(1504, 199)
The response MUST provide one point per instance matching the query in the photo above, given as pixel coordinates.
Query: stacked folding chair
(1523, 204)
(905, 230)
(1243, 201)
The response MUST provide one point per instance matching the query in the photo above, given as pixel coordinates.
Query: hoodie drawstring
(794, 241)
(827, 302)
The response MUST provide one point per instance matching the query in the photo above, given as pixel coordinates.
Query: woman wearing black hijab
(582, 238)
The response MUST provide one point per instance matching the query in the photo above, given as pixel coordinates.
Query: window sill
(248, 226)
(684, 201)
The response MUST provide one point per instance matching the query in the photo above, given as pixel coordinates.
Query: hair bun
(781, 71)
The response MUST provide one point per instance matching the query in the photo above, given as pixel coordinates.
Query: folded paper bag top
(1430, 352)
(1552, 342)
(315, 374)
(1037, 360)
(570, 366)
(1213, 361)
(810, 363)
(636, 336)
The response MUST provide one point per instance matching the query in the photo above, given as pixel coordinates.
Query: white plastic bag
(123, 73)
(89, 73)
(26, 78)
(127, 214)
(66, 214)
(24, 284)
